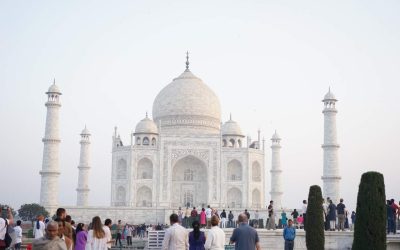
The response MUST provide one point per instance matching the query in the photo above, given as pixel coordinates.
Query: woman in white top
(216, 236)
(97, 238)
(39, 228)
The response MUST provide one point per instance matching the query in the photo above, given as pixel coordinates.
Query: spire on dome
(230, 116)
(187, 60)
(147, 116)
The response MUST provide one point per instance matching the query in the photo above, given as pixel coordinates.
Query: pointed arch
(234, 171)
(256, 171)
(145, 169)
(144, 197)
(234, 198)
(256, 198)
(121, 169)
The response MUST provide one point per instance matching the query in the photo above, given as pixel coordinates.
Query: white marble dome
(231, 128)
(146, 126)
(54, 89)
(329, 96)
(187, 102)
(85, 131)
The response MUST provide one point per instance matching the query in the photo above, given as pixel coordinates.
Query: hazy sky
(269, 62)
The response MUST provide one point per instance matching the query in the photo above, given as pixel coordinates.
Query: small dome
(146, 126)
(275, 136)
(54, 89)
(231, 128)
(85, 131)
(330, 96)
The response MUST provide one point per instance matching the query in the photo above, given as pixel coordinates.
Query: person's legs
(332, 225)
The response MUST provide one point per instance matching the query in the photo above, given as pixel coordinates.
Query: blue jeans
(289, 244)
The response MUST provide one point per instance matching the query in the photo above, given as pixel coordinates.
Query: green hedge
(315, 237)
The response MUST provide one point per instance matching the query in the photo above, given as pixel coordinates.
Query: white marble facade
(186, 156)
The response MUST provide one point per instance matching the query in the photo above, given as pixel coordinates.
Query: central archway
(189, 183)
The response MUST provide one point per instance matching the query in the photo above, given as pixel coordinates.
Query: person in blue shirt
(289, 233)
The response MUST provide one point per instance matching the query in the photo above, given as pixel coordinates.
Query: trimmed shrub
(370, 226)
(315, 237)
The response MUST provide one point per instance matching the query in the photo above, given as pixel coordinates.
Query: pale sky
(269, 62)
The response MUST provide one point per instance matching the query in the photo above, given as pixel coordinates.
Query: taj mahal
(183, 155)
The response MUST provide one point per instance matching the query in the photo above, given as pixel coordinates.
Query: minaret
(276, 171)
(50, 165)
(84, 167)
(331, 177)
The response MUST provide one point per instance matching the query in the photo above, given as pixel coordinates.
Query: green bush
(370, 226)
(315, 238)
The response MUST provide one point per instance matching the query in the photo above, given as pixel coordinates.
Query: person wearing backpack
(5, 239)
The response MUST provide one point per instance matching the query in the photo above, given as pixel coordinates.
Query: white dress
(39, 233)
(94, 243)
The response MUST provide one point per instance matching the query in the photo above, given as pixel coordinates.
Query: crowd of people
(63, 233)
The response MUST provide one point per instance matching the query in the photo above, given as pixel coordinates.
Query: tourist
(245, 237)
(81, 237)
(256, 218)
(61, 233)
(176, 236)
(208, 216)
(325, 210)
(119, 234)
(283, 219)
(40, 227)
(230, 219)
(180, 215)
(129, 235)
(61, 215)
(289, 234)
(247, 214)
(223, 219)
(187, 216)
(295, 215)
(107, 231)
(332, 215)
(300, 221)
(271, 216)
(216, 237)
(341, 214)
(50, 241)
(304, 212)
(96, 237)
(18, 235)
(196, 237)
(203, 221)
(353, 220)
(395, 212)
(390, 217)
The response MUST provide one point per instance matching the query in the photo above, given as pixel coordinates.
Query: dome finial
(147, 116)
(230, 116)
(187, 60)
(54, 81)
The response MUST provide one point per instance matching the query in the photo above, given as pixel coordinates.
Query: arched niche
(234, 171)
(145, 169)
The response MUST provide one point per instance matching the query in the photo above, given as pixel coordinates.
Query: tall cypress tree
(315, 237)
(370, 226)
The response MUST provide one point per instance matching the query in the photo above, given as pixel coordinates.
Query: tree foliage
(29, 212)
(370, 226)
(4, 210)
(315, 238)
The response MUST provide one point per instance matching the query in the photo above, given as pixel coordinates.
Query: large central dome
(187, 103)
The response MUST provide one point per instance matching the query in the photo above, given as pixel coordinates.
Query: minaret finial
(146, 115)
(230, 116)
(187, 60)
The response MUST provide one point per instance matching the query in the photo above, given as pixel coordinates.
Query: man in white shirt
(18, 235)
(208, 216)
(4, 223)
(216, 236)
(304, 211)
(107, 230)
(176, 237)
